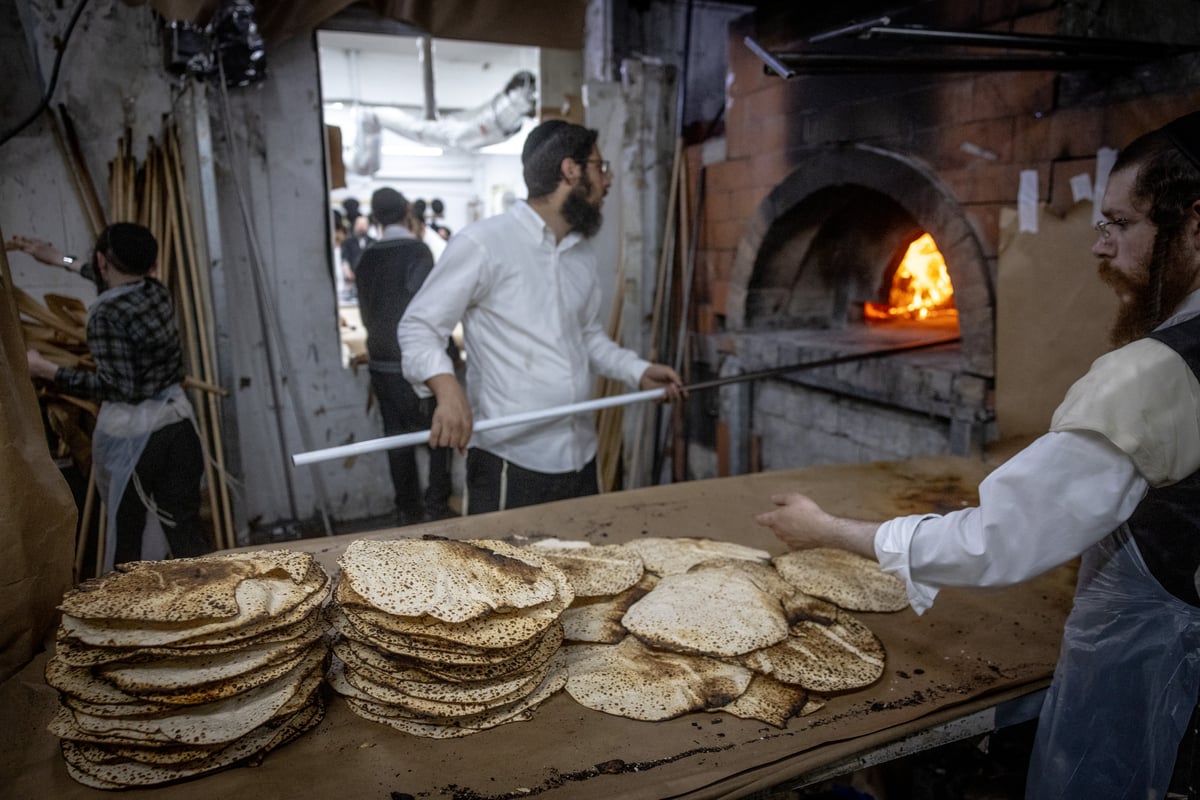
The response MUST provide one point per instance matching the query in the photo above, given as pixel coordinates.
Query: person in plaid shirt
(145, 448)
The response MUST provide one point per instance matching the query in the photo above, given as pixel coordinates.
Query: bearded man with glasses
(1117, 479)
(524, 285)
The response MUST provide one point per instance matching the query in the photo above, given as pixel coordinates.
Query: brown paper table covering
(973, 649)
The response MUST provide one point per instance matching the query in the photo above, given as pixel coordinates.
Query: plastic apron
(122, 431)
(1125, 685)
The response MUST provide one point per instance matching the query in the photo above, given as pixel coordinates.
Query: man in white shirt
(1116, 479)
(524, 285)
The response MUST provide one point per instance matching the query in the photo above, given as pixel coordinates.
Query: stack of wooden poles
(153, 194)
(665, 314)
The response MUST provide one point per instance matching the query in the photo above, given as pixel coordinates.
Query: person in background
(390, 272)
(524, 285)
(422, 230)
(352, 250)
(437, 209)
(146, 451)
(339, 237)
(1116, 479)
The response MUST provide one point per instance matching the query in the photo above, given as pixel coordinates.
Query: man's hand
(40, 249)
(39, 366)
(452, 421)
(660, 376)
(800, 524)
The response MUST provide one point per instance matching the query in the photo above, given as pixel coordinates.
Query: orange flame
(920, 288)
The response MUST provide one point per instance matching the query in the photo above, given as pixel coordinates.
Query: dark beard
(1138, 316)
(582, 216)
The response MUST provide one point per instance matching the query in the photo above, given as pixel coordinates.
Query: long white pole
(421, 437)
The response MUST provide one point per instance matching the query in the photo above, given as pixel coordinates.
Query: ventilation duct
(468, 130)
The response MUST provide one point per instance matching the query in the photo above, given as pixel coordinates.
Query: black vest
(1166, 524)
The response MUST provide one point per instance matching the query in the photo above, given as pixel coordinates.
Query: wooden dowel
(204, 386)
(102, 534)
(203, 298)
(85, 524)
(94, 225)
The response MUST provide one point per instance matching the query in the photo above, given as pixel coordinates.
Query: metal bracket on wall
(1040, 52)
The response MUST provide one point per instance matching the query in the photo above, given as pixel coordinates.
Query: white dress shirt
(1132, 422)
(530, 309)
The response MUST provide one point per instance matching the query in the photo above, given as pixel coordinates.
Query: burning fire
(921, 287)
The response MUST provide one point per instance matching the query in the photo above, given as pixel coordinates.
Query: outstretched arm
(42, 251)
(800, 523)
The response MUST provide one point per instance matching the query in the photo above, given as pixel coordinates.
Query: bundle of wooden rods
(610, 421)
(152, 194)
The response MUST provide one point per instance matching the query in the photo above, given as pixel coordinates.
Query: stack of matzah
(446, 638)
(172, 669)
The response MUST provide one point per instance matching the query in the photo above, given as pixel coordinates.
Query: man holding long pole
(524, 285)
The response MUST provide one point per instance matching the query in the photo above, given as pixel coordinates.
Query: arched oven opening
(859, 251)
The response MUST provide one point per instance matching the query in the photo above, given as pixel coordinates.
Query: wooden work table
(976, 657)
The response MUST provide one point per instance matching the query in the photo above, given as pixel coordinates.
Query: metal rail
(421, 437)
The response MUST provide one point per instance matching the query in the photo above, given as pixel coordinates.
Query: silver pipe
(425, 43)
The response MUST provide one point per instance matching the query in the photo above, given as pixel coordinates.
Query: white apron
(122, 431)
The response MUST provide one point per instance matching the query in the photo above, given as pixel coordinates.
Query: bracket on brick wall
(1046, 52)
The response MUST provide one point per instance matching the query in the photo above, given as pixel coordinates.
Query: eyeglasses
(605, 167)
(1120, 223)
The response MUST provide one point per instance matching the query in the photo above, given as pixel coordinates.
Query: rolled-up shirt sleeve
(1041, 508)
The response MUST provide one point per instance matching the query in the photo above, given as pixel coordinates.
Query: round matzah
(520, 710)
(265, 603)
(181, 590)
(357, 685)
(398, 644)
(631, 680)
(114, 709)
(847, 579)
(453, 581)
(94, 766)
(488, 632)
(598, 620)
(716, 612)
(79, 654)
(674, 556)
(170, 674)
(487, 692)
(836, 657)
(768, 700)
(354, 652)
(594, 571)
(221, 721)
(184, 695)
(764, 576)
(545, 649)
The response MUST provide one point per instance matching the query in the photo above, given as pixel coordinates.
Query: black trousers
(494, 484)
(169, 472)
(404, 412)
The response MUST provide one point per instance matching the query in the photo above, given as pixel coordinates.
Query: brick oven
(824, 182)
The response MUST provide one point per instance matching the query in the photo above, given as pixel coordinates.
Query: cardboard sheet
(37, 511)
(1053, 314)
(972, 648)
